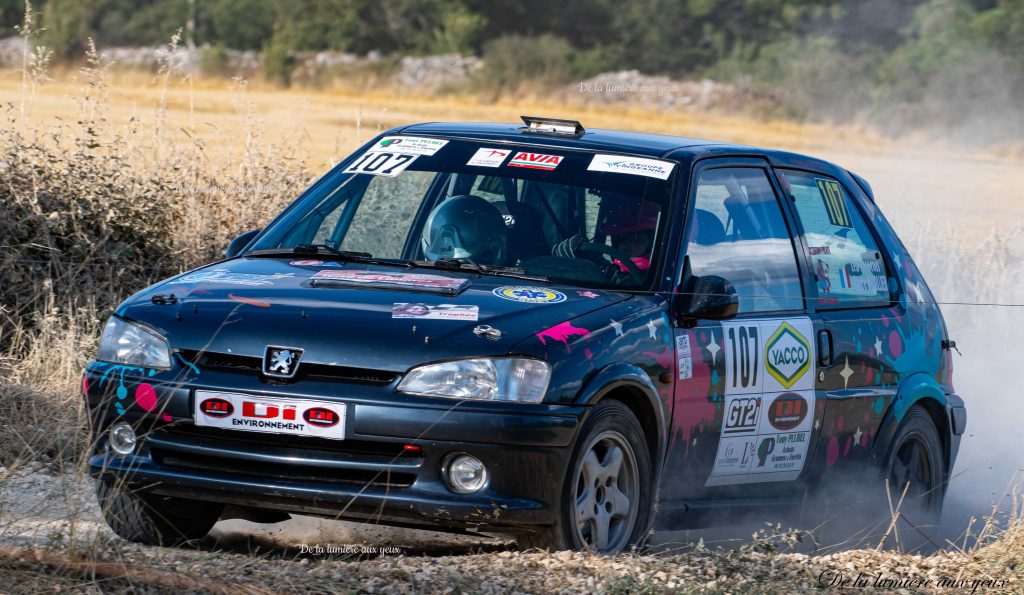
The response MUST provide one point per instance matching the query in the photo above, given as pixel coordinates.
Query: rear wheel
(605, 501)
(151, 519)
(915, 463)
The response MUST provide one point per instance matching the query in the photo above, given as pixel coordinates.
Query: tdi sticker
(381, 164)
(651, 168)
(488, 157)
(530, 295)
(409, 145)
(535, 161)
(436, 312)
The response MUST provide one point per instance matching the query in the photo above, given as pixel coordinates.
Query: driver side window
(738, 232)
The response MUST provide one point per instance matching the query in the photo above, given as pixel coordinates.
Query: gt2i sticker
(301, 417)
(488, 157)
(437, 312)
(835, 205)
(230, 278)
(410, 145)
(764, 438)
(651, 168)
(381, 164)
(530, 295)
(743, 372)
(535, 161)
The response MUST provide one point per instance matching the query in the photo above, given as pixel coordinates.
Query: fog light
(466, 474)
(122, 439)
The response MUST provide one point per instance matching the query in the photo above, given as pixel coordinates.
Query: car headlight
(133, 345)
(491, 379)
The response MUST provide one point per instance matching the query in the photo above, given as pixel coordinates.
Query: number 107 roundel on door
(769, 400)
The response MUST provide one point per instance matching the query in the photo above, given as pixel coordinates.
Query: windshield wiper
(323, 250)
(467, 265)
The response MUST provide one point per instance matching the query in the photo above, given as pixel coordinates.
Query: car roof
(597, 139)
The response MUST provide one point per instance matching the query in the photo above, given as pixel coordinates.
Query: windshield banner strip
(382, 280)
(637, 166)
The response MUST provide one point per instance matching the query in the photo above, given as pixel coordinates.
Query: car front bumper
(389, 469)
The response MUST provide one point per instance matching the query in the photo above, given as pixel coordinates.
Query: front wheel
(605, 500)
(151, 519)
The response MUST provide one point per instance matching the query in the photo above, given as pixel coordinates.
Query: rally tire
(915, 457)
(605, 499)
(150, 519)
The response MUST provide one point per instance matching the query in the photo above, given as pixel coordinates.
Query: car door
(857, 321)
(744, 397)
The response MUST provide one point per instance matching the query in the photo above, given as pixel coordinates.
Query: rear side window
(738, 232)
(845, 259)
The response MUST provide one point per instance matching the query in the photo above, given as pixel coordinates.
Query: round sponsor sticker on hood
(530, 295)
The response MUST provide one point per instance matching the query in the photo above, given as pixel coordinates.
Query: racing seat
(525, 234)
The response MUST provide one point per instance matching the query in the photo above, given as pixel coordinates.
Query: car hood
(337, 317)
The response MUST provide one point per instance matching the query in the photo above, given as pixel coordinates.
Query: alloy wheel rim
(911, 465)
(606, 496)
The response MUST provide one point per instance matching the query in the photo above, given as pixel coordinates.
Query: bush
(514, 62)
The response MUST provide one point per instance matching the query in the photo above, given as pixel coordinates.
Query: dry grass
(111, 181)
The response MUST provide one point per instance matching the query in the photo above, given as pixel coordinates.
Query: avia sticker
(488, 157)
(787, 355)
(535, 161)
(414, 145)
(530, 295)
(638, 166)
(436, 312)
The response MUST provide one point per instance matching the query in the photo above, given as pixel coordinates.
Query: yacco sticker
(382, 164)
(530, 295)
(787, 355)
(230, 278)
(638, 166)
(436, 312)
(535, 161)
(488, 157)
(392, 280)
(410, 145)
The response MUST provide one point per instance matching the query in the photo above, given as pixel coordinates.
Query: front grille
(297, 458)
(316, 372)
(232, 466)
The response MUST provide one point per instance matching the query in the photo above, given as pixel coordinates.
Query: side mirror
(240, 242)
(709, 297)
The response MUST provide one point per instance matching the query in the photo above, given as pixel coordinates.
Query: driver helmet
(465, 226)
(630, 222)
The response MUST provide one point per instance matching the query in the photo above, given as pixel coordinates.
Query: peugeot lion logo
(281, 362)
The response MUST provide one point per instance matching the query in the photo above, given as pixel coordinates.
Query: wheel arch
(924, 391)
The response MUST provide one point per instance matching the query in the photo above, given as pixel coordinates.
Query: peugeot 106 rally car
(576, 336)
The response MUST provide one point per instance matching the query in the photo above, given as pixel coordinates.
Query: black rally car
(574, 335)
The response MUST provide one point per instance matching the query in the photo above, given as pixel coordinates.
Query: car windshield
(567, 215)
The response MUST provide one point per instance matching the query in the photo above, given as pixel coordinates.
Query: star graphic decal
(878, 346)
(617, 326)
(650, 329)
(846, 372)
(713, 348)
(857, 435)
(817, 424)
